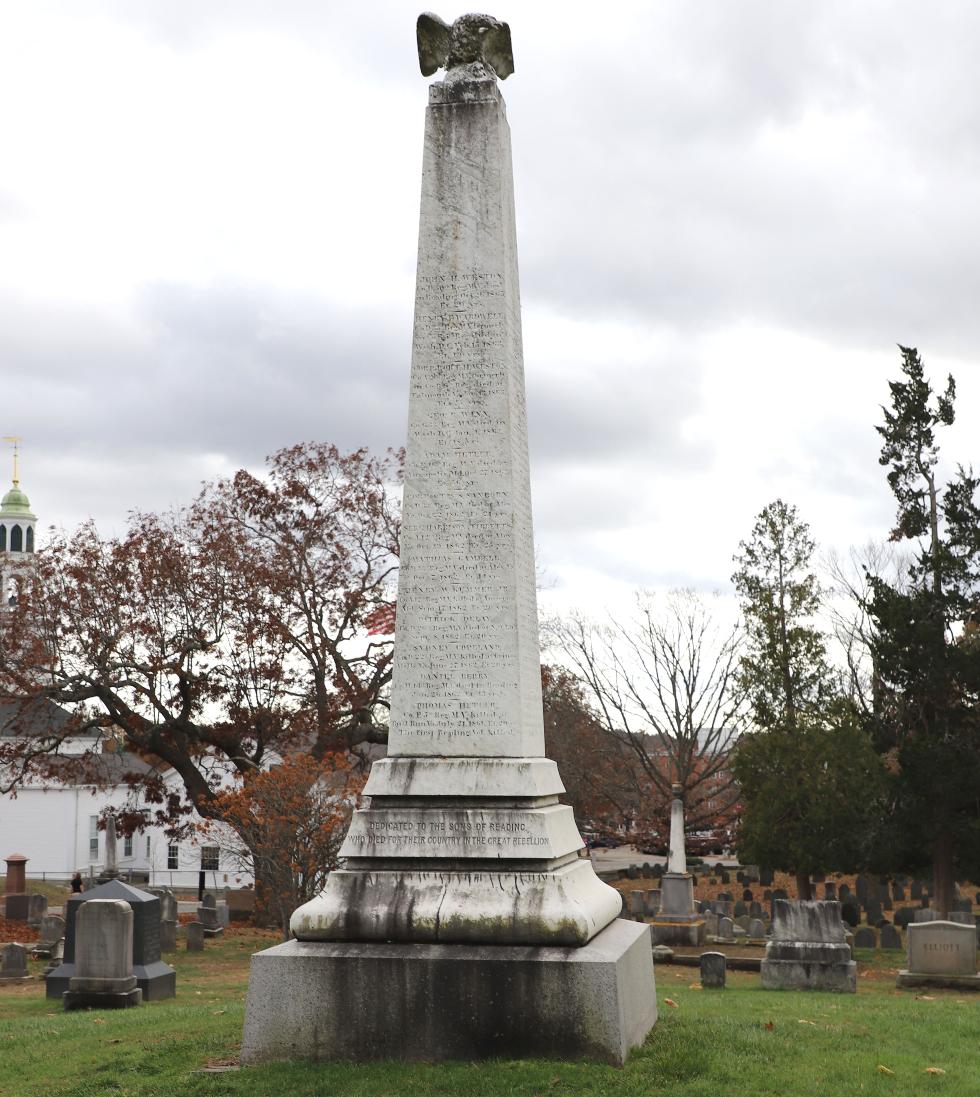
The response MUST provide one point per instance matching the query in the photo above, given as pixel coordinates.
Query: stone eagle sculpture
(471, 39)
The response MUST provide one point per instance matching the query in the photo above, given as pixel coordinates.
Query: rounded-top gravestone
(712, 970)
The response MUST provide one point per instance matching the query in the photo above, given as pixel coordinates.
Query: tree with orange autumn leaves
(218, 641)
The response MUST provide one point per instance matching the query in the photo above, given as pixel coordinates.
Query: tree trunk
(804, 888)
(943, 884)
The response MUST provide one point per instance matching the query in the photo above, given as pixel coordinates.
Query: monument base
(678, 932)
(322, 1001)
(156, 981)
(806, 965)
(92, 999)
(920, 979)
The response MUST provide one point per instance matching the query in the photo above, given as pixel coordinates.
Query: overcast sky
(729, 213)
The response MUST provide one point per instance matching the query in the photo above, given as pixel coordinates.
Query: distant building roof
(32, 717)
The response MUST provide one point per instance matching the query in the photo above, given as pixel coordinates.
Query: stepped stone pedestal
(463, 923)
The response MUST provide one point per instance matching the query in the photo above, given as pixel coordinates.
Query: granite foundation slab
(325, 1001)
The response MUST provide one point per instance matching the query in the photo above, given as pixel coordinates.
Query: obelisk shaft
(467, 667)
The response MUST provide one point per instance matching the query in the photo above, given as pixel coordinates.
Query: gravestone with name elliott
(463, 924)
(155, 979)
(941, 954)
(808, 949)
(678, 922)
(103, 976)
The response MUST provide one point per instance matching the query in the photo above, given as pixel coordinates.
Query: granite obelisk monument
(463, 923)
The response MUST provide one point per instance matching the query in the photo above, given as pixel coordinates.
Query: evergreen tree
(808, 772)
(927, 665)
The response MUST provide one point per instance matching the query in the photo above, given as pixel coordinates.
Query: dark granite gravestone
(765, 877)
(873, 910)
(780, 893)
(155, 979)
(843, 892)
(633, 872)
(904, 915)
(890, 937)
(965, 906)
(645, 870)
(747, 895)
(916, 890)
(898, 892)
(767, 896)
(850, 912)
(830, 890)
(886, 901)
(755, 909)
(740, 909)
(861, 888)
(712, 970)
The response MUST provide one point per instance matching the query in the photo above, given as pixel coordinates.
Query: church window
(173, 856)
(3, 538)
(16, 539)
(128, 846)
(30, 538)
(209, 858)
(93, 837)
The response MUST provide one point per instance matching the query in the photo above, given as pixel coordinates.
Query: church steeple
(17, 525)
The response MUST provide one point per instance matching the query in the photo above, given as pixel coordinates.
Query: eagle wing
(497, 51)
(433, 36)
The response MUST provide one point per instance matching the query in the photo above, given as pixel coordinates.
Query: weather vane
(15, 441)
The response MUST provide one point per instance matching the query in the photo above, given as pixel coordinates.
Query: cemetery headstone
(726, 929)
(904, 915)
(464, 840)
(808, 950)
(740, 908)
(207, 915)
(711, 923)
(766, 877)
(51, 930)
(851, 912)
(757, 929)
(103, 976)
(645, 871)
(780, 893)
(890, 937)
(942, 954)
(861, 888)
(168, 936)
(712, 970)
(926, 914)
(241, 904)
(638, 904)
(37, 907)
(13, 963)
(662, 954)
(963, 917)
(898, 892)
(865, 937)
(195, 937)
(830, 890)
(844, 892)
(747, 895)
(873, 910)
(155, 979)
(915, 889)
(653, 900)
(755, 909)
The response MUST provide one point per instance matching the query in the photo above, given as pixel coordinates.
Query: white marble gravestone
(103, 976)
(941, 953)
(464, 870)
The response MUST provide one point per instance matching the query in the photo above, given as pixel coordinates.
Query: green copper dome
(15, 504)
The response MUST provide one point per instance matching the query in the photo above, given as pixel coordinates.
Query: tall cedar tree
(925, 655)
(215, 641)
(808, 770)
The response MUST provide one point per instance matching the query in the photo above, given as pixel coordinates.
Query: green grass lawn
(739, 1042)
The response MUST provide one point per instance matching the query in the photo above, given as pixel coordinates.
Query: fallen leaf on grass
(934, 1070)
(98, 1020)
(116, 1041)
(556, 1081)
(769, 1026)
(694, 986)
(884, 1070)
(803, 1021)
(218, 1012)
(924, 998)
(671, 1002)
